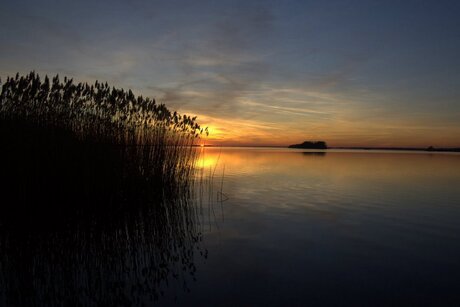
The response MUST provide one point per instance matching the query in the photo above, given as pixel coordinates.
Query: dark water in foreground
(290, 228)
(335, 228)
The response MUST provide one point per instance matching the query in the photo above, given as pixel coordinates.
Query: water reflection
(339, 228)
(314, 153)
(332, 164)
(121, 258)
(354, 228)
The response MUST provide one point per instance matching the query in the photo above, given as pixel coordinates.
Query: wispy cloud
(256, 71)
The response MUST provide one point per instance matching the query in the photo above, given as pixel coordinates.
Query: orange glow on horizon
(245, 132)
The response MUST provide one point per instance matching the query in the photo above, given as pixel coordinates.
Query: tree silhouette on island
(310, 145)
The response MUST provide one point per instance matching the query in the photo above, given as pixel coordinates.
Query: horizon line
(427, 148)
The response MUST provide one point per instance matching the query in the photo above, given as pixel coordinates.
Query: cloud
(278, 73)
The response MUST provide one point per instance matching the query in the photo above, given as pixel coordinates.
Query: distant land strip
(431, 149)
(455, 149)
(310, 145)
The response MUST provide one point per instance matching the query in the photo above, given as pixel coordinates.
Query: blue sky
(352, 73)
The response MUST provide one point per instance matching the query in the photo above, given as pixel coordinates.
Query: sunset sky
(351, 73)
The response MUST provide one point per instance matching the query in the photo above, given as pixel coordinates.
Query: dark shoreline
(455, 149)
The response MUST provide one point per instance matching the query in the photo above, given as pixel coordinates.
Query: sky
(351, 73)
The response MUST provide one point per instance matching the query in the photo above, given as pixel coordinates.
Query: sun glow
(206, 161)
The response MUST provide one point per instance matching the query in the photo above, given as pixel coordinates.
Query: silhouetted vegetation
(310, 145)
(76, 147)
(98, 203)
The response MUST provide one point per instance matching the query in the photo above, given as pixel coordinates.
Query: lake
(343, 228)
(262, 227)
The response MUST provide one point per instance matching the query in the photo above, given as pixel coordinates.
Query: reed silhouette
(98, 194)
(68, 148)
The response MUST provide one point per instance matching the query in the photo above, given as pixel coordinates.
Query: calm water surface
(331, 228)
(275, 227)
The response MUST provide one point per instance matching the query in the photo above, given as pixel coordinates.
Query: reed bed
(69, 148)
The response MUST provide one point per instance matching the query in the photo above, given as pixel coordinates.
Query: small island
(310, 145)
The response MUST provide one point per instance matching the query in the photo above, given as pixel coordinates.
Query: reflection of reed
(125, 257)
(206, 175)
